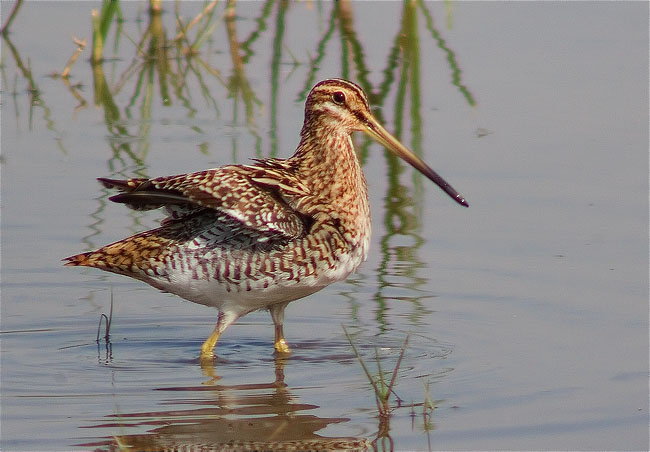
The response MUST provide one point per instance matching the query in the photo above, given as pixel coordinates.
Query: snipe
(247, 237)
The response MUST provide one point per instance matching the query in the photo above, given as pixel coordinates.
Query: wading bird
(247, 237)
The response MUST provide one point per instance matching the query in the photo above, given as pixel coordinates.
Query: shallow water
(527, 314)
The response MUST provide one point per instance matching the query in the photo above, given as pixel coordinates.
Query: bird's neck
(326, 158)
(327, 163)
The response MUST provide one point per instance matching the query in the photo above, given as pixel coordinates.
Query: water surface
(527, 312)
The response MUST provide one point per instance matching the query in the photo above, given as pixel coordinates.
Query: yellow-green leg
(277, 314)
(223, 321)
(207, 349)
(280, 344)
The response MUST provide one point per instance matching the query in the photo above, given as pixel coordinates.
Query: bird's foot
(281, 346)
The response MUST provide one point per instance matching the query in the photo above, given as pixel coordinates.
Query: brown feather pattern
(246, 237)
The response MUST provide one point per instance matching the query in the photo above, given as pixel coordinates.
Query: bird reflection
(253, 416)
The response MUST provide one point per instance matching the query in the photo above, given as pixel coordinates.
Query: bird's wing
(257, 196)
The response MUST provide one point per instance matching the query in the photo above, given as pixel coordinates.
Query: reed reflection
(23, 72)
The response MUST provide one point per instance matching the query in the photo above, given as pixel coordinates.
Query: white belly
(246, 295)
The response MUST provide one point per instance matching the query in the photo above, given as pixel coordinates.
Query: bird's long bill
(375, 130)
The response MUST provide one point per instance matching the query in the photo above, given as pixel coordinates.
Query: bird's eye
(338, 98)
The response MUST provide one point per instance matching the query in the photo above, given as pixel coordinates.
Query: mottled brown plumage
(248, 237)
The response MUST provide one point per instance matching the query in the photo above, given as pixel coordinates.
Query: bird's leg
(280, 344)
(277, 314)
(207, 348)
(223, 321)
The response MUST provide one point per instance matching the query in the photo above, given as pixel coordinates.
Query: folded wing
(259, 197)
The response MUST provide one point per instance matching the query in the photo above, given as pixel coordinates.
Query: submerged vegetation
(383, 385)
